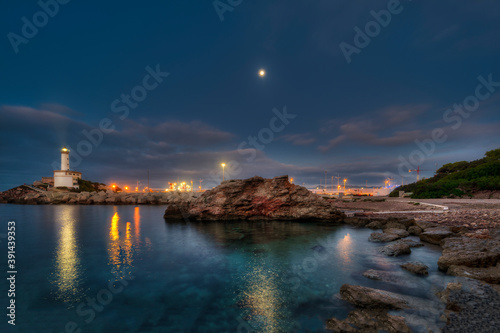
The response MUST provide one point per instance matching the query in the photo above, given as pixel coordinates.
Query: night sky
(198, 95)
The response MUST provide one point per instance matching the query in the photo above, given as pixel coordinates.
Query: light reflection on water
(214, 277)
(68, 268)
(344, 248)
(121, 252)
(263, 296)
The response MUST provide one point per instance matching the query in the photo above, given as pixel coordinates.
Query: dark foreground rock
(257, 199)
(369, 321)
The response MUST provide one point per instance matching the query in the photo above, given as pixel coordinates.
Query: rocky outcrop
(369, 321)
(487, 274)
(470, 252)
(416, 268)
(257, 199)
(26, 195)
(370, 298)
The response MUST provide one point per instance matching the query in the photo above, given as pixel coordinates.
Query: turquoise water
(123, 269)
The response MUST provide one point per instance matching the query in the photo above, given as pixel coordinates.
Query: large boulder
(257, 198)
(370, 298)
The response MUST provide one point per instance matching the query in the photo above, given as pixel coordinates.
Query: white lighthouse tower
(65, 159)
(65, 177)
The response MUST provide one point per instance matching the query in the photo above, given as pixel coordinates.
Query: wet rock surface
(395, 278)
(396, 249)
(370, 321)
(416, 268)
(383, 237)
(370, 298)
(260, 199)
(400, 232)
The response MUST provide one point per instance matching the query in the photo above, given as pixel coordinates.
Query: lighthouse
(65, 159)
(65, 177)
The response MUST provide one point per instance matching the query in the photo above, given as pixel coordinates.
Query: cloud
(390, 126)
(302, 139)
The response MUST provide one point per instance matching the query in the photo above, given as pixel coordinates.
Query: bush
(458, 179)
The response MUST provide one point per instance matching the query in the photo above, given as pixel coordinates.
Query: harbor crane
(417, 170)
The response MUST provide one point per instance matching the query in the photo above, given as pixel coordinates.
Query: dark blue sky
(358, 119)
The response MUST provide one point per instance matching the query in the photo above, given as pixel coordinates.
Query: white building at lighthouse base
(66, 178)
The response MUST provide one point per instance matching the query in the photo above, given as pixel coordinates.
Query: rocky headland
(30, 196)
(256, 198)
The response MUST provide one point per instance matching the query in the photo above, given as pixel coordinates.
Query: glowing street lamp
(223, 166)
(345, 179)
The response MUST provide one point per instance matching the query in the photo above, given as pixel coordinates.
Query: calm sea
(123, 269)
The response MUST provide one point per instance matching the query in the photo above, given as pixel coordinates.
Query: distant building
(65, 177)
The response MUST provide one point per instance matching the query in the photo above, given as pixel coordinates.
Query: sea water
(124, 269)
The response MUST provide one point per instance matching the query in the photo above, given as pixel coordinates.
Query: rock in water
(416, 268)
(257, 198)
(370, 298)
(396, 249)
(369, 320)
(383, 237)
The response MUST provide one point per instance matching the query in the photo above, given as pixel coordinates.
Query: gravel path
(473, 214)
(479, 306)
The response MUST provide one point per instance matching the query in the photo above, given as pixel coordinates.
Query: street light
(223, 166)
(345, 179)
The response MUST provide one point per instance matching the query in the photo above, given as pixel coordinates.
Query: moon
(262, 73)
